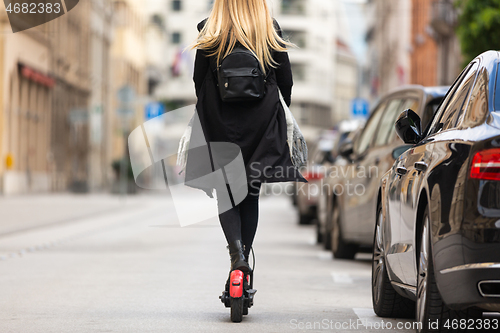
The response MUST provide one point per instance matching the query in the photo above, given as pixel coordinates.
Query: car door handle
(420, 166)
(401, 171)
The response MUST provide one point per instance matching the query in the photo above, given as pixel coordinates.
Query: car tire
(386, 301)
(294, 197)
(319, 235)
(305, 212)
(430, 307)
(327, 241)
(327, 237)
(340, 248)
(322, 215)
(305, 218)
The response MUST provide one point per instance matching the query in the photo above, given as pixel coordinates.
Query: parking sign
(153, 110)
(359, 108)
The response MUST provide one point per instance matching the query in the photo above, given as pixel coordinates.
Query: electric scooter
(240, 295)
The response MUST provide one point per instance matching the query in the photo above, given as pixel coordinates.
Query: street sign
(126, 99)
(359, 108)
(126, 94)
(153, 110)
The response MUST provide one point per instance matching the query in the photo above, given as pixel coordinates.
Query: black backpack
(240, 77)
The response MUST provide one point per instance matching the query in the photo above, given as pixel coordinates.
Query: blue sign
(154, 109)
(359, 108)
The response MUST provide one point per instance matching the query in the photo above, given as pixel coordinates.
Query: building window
(298, 72)
(157, 20)
(176, 38)
(293, 7)
(176, 5)
(296, 37)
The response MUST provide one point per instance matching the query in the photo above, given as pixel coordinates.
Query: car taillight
(486, 165)
(311, 175)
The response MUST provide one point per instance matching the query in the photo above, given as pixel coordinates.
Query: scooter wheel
(237, 309)
(245, 310)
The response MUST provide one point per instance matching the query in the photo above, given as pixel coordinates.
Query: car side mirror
(409, 127)
(346, 148)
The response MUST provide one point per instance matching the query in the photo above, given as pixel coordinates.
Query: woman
(259, 127)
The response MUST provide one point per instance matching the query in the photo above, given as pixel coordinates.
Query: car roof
(489, 62)
(438, 91)
(489, 56)
(433, 91)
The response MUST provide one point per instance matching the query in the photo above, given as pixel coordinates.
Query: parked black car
(437, 237)
(350, 190)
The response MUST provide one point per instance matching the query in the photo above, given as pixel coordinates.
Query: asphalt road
(99, 263)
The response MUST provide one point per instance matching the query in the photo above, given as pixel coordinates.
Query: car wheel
(319, 235)
(386, 301)
(294, 196)
(305, 218)
(340, 248)
(304, 211)
(327, 236)
(322, 212)
(430, 306)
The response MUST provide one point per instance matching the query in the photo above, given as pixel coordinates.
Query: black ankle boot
(237, 257)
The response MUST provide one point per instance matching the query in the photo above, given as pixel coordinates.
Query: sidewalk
(32, 222)
(34, 211)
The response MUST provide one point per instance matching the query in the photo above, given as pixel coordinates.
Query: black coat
(258, 128)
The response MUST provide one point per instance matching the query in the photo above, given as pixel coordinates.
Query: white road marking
(367, 315)
(369, 319)
(342, 278)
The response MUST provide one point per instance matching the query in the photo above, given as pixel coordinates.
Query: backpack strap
(213, 69)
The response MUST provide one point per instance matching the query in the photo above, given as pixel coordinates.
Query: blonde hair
(248, 22)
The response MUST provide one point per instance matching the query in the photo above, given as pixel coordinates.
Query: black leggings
(240, 222)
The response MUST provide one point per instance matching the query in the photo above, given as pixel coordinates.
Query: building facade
(310, 24)
(424, 46)
(346, 82)
(54, 101)
(389, 45)
(128, 65)
(156, 41)
(443, 20)
(181, 19)
(26, 90)
(435, 51)
(70, 67)
(101, 93)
